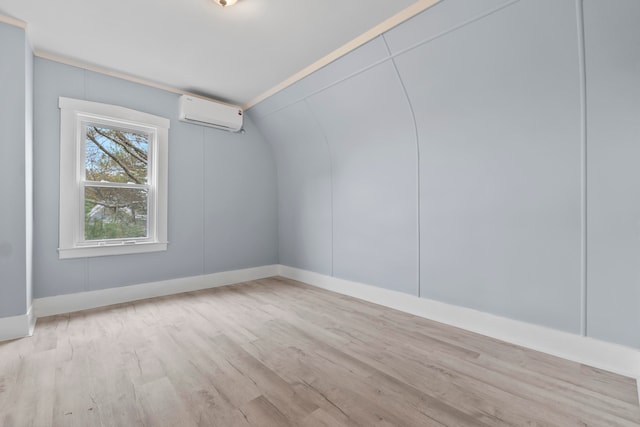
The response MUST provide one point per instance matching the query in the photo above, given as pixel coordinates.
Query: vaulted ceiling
(234, 54)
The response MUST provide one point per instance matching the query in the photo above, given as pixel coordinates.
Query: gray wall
(222, 191)
(613, 76)
(15, 166)
(445, 159)
(454, 158)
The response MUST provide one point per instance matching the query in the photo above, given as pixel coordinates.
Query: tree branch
(106, 205)
(126, 144)
(114, 158)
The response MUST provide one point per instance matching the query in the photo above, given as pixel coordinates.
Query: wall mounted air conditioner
(210, 113)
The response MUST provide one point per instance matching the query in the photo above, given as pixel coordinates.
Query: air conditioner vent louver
(210, 113)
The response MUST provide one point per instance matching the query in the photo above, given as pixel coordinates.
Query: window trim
(73, 113)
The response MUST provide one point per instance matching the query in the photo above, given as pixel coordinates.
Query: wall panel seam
(418, 7)
(326, 141)
(417, 138)
(583, 165)
(203, 142)
(454, 28)
(392, 55)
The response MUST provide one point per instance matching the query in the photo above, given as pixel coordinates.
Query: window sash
(151, 230)
(84, 120)
(75, 116)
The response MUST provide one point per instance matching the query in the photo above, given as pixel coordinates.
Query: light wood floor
(279, 353)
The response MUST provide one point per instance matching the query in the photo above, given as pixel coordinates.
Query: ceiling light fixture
(225, 3)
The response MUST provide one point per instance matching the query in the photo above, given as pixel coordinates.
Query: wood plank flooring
(275, 352)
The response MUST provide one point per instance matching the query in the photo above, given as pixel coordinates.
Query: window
(113, 180)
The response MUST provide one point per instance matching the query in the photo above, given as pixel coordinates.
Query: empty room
(309, 213)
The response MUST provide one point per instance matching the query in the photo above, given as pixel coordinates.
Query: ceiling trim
(374, 32)
(403, 15)
(12, 21)
(124, 76)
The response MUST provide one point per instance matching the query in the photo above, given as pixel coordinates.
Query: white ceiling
(233, 54)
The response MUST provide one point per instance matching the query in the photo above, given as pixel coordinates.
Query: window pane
(115, 155)
(114, 213)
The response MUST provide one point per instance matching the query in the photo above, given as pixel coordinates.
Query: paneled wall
(613, 129)
(447, 159)
(16, 83)
(222, 191)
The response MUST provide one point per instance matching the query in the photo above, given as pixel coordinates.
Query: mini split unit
(210, 113)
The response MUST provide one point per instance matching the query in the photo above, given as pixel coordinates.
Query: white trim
(73, 114)
(398, 18)
(12, 21)
(599, 354)
(31, 321)
(15, 326)
(109, 72)
(108, 250)
(114, 112)
(119, 75)
(85, 300)
(603, 355)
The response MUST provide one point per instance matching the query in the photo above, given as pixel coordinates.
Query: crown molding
(374, 32)
(12, 21)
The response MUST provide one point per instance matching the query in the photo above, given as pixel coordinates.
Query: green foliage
(115, 156)
(101, 230)
(112, 223)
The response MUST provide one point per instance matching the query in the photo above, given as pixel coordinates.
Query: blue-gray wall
(446, 159)
(222, 191)
(16, 82)
(456, 158)
(613, 95)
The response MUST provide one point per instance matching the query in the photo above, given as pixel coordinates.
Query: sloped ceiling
(233, 54)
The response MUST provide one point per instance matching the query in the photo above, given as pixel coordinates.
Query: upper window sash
(89, 120)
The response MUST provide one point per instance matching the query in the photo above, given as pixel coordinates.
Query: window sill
(107, 250)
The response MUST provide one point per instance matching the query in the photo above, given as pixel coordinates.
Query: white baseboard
(31, 320)
(85, 300)
(16, 326)
(599, 354)
(589, 351)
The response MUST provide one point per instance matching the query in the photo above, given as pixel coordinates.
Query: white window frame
(74, 115)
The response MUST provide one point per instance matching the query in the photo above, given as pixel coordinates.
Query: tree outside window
(114, 156)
